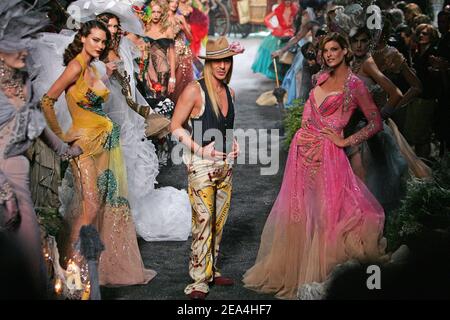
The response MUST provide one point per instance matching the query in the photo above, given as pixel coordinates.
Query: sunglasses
(424, 33)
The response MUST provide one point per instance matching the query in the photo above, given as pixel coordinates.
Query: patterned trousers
(210, 194)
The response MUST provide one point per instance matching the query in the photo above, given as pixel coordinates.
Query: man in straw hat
(207, 107)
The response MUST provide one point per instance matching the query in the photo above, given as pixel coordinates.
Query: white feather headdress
(85, 10)
(18, 21)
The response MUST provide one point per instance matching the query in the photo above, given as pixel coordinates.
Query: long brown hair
(77, 46)
(341, 40)
(115, 40)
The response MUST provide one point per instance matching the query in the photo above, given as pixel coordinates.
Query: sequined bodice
(334, 112)
(328, 114)
(81, 95)
(181, 47)
(91, 127)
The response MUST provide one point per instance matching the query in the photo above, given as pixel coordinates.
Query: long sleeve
(47, 106)
(53, 142)
(61, 148)
(365, 102)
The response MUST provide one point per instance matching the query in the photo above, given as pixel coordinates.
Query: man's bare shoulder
(370, 68)
(369, 63)
(192, 89)
(233, 94)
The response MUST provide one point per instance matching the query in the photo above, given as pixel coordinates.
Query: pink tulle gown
(324, 215)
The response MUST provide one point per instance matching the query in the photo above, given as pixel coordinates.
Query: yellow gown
(100, 185)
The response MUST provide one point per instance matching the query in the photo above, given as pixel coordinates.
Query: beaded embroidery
(107, 186)
(95, 104)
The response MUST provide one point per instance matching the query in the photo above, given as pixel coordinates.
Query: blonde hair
(212, 93)
(164, 23)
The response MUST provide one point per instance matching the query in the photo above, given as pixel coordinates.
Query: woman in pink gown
(324, 215)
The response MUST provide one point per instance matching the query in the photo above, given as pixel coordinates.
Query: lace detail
(311, 291)
(28, 125)
(6, 192)
(319, 290)
(94, 103)
(181, 48)
(159, 57)
(5, 134)
(108, 190)
(366, 132)
(365, 102)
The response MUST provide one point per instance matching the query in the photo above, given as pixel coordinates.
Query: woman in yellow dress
(100, 196)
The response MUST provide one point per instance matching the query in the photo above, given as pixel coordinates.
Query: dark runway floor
(253, 196)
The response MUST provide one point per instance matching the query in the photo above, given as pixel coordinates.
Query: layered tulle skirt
(263, 61)
(323, 216)
(161, 214)
(389, 161)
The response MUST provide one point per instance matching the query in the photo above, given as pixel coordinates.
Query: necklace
(357, 64)
(11, 81)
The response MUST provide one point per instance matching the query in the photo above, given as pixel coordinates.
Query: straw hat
(221, 49)
(267, 99)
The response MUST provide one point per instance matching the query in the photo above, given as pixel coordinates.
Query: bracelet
(172, 80)
(47, 101)
(66, 156)
(6, 192)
